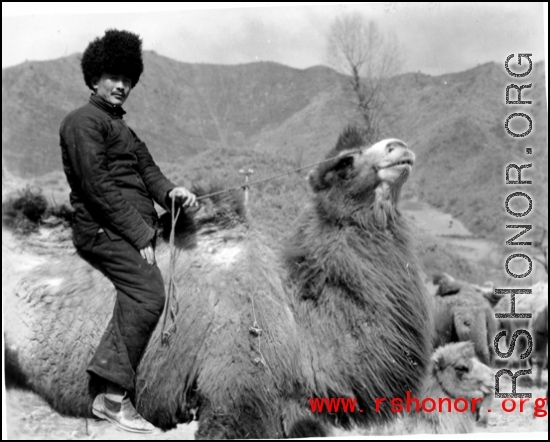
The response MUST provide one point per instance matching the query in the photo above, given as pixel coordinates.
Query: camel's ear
(313, 179)
(489, 294)
(447, 284)
(439, 278)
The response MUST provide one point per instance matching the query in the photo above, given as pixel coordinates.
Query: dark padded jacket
(112, 176)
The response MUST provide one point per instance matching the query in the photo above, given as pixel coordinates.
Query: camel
(463, 312)
(341, 312)
(454, 372)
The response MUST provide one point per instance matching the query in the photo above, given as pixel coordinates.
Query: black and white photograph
(274, 220)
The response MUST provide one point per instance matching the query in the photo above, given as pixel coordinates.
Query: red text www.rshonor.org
(412, 404)
(396, 405)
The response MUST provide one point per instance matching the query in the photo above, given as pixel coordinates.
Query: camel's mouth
(407, 161)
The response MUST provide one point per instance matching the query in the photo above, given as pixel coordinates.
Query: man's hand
(183, 197)
(148, 254)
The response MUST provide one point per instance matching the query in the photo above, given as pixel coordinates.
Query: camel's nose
(485, 375)
(394, 145)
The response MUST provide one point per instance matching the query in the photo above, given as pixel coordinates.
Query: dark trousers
(139, 304)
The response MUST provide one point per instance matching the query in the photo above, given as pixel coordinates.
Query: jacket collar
(114, 111)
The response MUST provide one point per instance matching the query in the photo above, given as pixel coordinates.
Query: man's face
(113, 88)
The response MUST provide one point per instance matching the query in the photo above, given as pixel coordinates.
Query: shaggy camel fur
(343, 313)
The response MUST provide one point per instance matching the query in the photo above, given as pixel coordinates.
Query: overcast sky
(436, 37)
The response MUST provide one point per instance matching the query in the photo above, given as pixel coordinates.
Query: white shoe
(121, 414)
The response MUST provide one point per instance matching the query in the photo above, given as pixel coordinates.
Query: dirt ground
(29, 417)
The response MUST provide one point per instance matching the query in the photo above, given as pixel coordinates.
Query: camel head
(447, 285)
(362, 177)
(460, 373)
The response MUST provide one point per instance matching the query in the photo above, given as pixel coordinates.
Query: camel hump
(47, 228)
(351, 137)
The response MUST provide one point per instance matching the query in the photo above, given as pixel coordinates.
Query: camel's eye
(342, 169)
(323, 177)
(344, 163)
(462, 369)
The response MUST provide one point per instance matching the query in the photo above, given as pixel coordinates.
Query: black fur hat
(117, 52)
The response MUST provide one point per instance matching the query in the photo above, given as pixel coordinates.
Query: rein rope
(171, 306)
(171, 297)
(274, 177)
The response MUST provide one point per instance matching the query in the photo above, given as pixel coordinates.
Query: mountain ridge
(268, 113)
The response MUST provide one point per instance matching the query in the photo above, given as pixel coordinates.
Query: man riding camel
(114, 181)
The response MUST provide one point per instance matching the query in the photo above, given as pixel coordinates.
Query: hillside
(463, 147)
(211, 120)
(178, 108)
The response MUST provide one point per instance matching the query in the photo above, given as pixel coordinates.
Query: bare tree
(357, 48)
